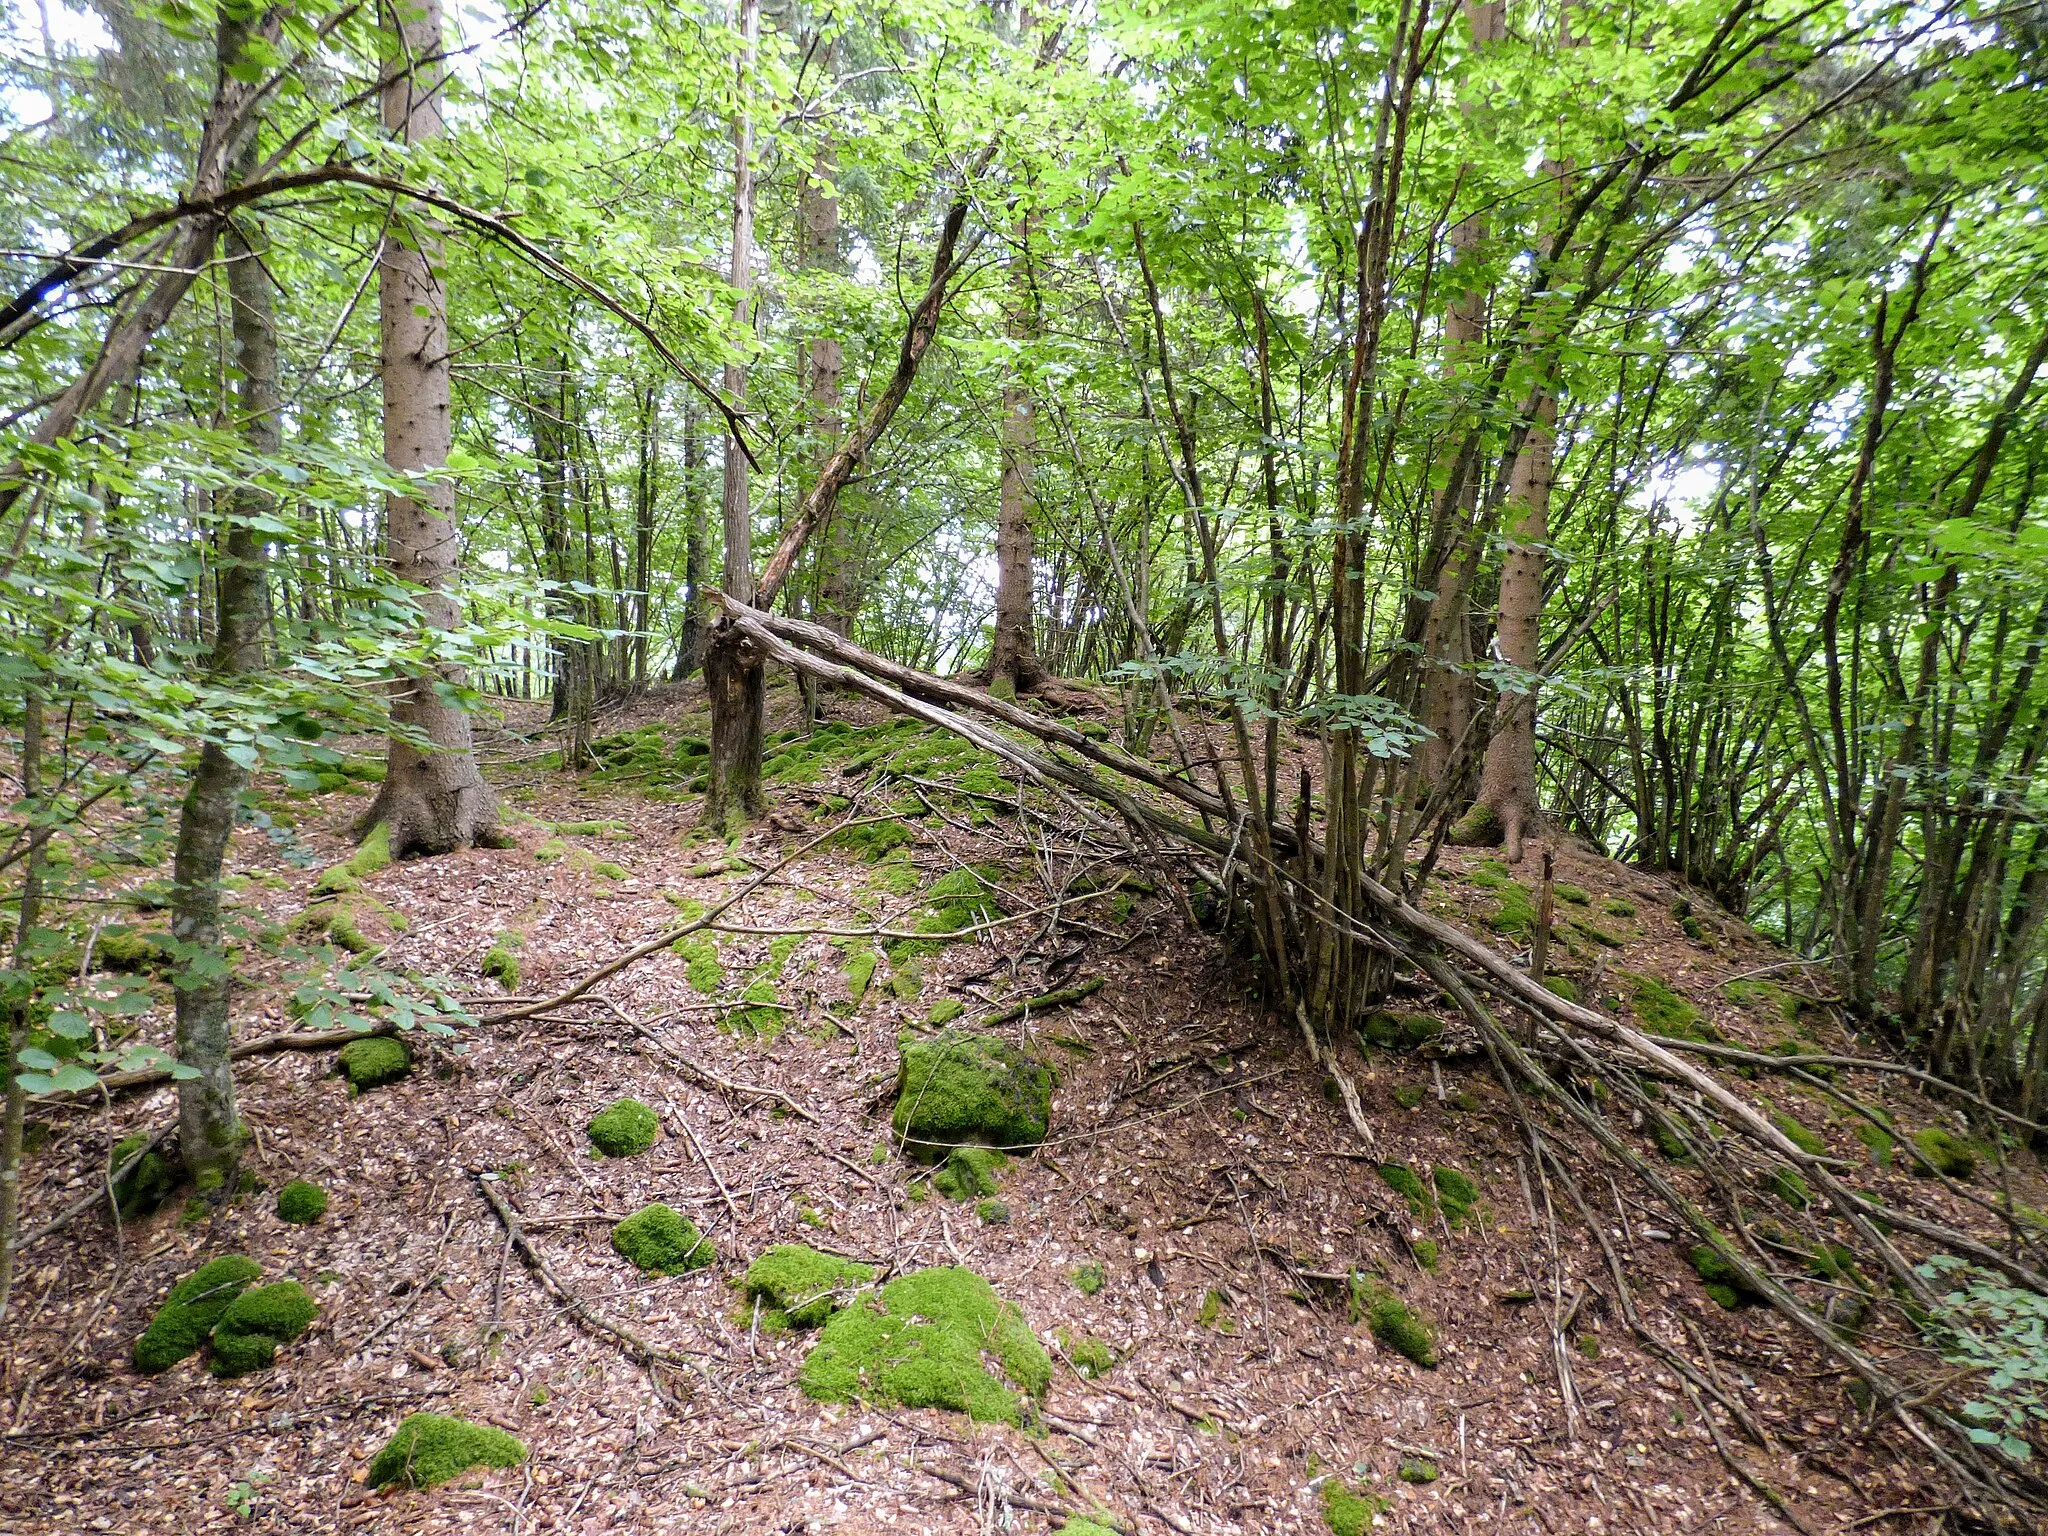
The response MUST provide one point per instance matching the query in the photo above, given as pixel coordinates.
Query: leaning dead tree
(1844, 1266)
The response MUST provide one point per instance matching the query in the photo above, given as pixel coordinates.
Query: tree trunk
(1014, 664)
(434, 799)
(696, 550)
(19, 1014)
(732, 670)
(209, 1129)
(644, 489)
(837, 580)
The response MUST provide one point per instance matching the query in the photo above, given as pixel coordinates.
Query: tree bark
(838, 580)
(1013, 664)
(19, 1009)
(696, 550)
(434, 799)
(733, 671)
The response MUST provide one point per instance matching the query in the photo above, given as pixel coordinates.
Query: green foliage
(799, 1287)
(658, 1240)
(192, 1309)
(921, 1342)
(624, 1128)
(257, 1323)
(958, 1088)
(301, 1203)
(372, 1062)
(2000, 1331)
(1349, 1511)
(430, 1448)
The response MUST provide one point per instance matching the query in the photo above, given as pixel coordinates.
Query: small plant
(245, 1496)
(2003, 1332)
(1088, 1278)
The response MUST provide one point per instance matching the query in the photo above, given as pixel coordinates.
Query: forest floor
(1194, 1164)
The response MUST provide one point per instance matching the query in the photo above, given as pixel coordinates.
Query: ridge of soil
(1194, 1156)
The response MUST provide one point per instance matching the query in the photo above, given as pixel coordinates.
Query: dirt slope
(1194, 1158)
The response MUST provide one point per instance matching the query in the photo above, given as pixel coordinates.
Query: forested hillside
(942, 765)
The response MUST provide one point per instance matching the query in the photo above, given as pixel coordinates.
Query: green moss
(1402, 1180)
(1950, 1155)
(1562, 986)
(1618, 908)
(960, 1088)
(1400, 1031)
(144, 1188)
(875, 841)
(1087, 1278)
(605, 869)
(906, 980)
(1419, 1469)
(257, 1323)
(762, 1022)
(189, 1313)
(1789, 1186)
(1392, 1322)
(1662, 1011)
(945, 1011)
(1456, 1193)
(373, 854)
(130, 949)
(373, 1062)
(1750, 993)
(589, 828)
(1576, 895)
(1347, 1511)
(1875, 1139)
(1409, 1095)
(1091, 1358)
(1601, 936)
(1515, 912)
(501, 960)
(1477, 828)
(992, 1213)
(921, 1342)
(430, 1448)
(1084, 1525)
(860, 971)
(301, 1203)
(1427, 1253)
(658, 1240)
(969, 1173)
(551, 851)
(701, 964)
(1667, 1138)
(896, 875)
(1799, 1135)
(1722, 1280)
(625, 1128)
(799, 1287)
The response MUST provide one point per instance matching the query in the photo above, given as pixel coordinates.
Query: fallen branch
(1045, 1001)
(262, 1045)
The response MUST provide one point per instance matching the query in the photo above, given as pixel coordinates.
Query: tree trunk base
(735, 678)
(433, 804)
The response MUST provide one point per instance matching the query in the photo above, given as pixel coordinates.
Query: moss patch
(969, 1173)
(1721, 1280)
(301, 1203)
(945, 1011)
(1799, 1135)
(144, 1187)
(1087, 1278)
(1950, 1155)
(430, 1448)
(1392, 1323)
(373, 854)
(701, 967)
(1618, 908)
(1348, 1511)
(501, 960)
(1574, 894)
(1876, 1140)
(1392, 1031)
(373, 1062)
(257, 1323)
(1090, 1357)
(625, 1128)
(799, 1287)
(658, 1240)
(1515, 910)
(962, 1088)
(1456, 1193)
(921, 1342)
(1662, 1011)
(1402, 1180)
(1477, 828)
(1419, 1469)
(189, 1313)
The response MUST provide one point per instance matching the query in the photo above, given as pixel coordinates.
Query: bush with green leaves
(1996, 1328)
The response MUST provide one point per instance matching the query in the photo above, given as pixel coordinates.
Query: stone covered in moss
(1456, 1193)
(1400, 1031)
(1393, 1324)
(1402, 1180)
(624, 1129)
(1662, 1011)
(1346, 1511)
(1419, 1469)
(189, 1313)
(301, 1203)
(430, 1448)
(1085, 1525)
(969, 1173)
(1799, 1135)
(1948, 1154)
(960, 1088)
(374, 1061)
(922, 1342)
(256, 1323)
(1091, 1357)
(1722, 1280)
(501, 960)
(144, 1187)
(800, 1287)
(659, 1240)
(131, 949)
(1087, 1278)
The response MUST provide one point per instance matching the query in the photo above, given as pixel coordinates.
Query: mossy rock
(625, 1128)
(373, 1062)
(1420, 1469)
(1087, 1278)
(922, 1341)
(1616, 907)
(1662, 1011)
(131, 950)
(1876, 1140)
(944, 1012)
(1406, 1095)
(969, 1173)
(1949, 1154)
(1090, 1357)
(192, 1309)
(1392, 1322)
(301, 1203)
(1403, 1181)
(1349, 1511)
(1562, 986)
(431, 1448)
(501, 960)
(1392, 1031)
(145, 1187)
(860, 972)
(659, 1240)
(1722, 1280)
(1456, 1194)
(799, 1287)
(992, 1213)
(1576, 895)
(257, 1323)
(962, 1088)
